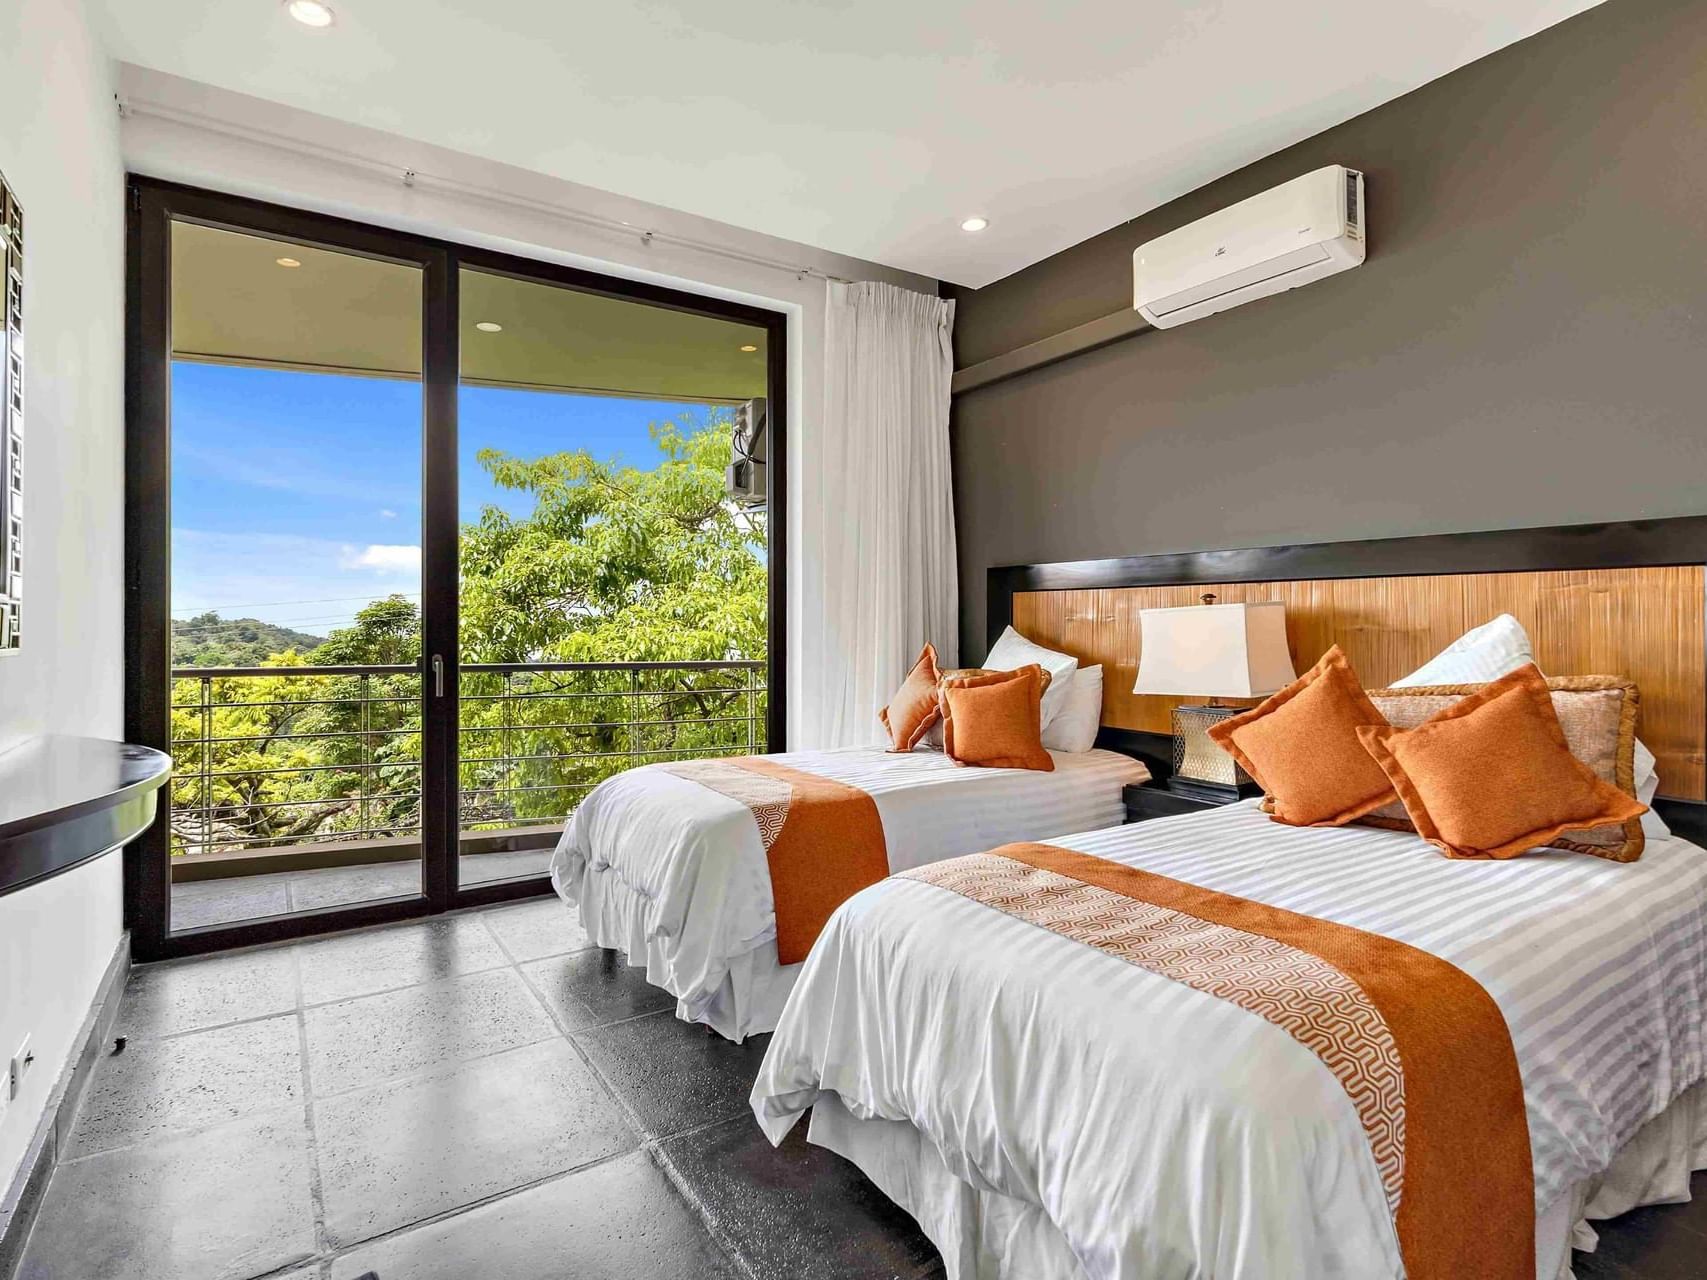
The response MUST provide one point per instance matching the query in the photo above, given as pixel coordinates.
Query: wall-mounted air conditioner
(1298, 232)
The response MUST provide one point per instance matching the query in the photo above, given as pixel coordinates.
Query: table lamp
(1215, 651)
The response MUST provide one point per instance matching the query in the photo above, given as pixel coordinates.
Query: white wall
(59, 149)
(189, 132)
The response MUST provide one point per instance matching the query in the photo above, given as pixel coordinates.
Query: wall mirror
(11, 416)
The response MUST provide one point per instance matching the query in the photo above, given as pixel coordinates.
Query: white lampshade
(1214, 651)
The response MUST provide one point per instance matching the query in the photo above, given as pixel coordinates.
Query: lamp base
(1202, 770)
(1214, 792)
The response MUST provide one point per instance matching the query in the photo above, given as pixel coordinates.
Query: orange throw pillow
(996, 720)
(913, 710)
(1301, 747)
(1493, 775)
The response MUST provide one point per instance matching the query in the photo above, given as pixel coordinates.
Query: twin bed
(1047, 1108)
(1216, 1045)
(674, 873)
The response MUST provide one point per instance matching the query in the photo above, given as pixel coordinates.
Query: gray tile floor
(196, 903)
(477, 1095)
(481, 1095)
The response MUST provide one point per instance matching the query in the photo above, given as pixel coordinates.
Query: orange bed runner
(823, 840)
(1422, 1050)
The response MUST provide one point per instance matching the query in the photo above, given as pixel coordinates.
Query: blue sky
(296, 497)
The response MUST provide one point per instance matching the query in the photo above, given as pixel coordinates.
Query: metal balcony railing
(272, 757)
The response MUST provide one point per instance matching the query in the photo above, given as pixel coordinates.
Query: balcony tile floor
(203, 902)
(480, 1095)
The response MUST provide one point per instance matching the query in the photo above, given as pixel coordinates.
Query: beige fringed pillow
(1598, 715)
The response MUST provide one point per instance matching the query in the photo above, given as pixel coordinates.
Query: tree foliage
(616, 564)
(613, 565)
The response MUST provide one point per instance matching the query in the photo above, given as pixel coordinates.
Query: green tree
(617, 563)
(613, 565)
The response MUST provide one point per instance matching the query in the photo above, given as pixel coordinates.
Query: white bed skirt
(984, 1235)
(752, 994)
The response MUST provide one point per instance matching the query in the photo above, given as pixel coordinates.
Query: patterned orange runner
(823, 840)
(1421, 1049)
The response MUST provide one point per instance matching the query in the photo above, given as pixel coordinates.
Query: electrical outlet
(22, 1061)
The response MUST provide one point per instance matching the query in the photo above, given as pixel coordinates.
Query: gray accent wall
(1525, 345)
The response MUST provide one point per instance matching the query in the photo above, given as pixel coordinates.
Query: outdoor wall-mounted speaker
(746, 476)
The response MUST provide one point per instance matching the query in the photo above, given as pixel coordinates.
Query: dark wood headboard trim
(1633, 544)
(1630, 544)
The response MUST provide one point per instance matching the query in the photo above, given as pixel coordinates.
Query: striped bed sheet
(675, 875)
(1057, 1079)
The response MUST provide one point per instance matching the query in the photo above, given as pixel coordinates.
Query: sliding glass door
(295, 453)
(614, 587)
(422, 543)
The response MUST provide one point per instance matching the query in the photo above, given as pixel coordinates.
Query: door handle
(438, 676)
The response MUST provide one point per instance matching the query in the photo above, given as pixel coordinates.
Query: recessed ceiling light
(488, 326)
(974, 224)
(749, 347)
(310, 13)
(287, 262)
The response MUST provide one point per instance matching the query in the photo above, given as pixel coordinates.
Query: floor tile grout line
(334, 1252)
(551, 1010)
(316, 1180)
(508, 963)
(693, 1131)
(423, 1073)
(142, 1037)
(580, 1051)
(186, 1131)
(633, 1017)
(405, 986)
(492, 933)
(700, 1209)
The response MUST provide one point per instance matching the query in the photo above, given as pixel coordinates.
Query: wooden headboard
(1622, 599)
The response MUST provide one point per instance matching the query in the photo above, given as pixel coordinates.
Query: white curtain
(885, 508)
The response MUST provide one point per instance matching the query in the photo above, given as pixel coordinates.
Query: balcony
(298, 787)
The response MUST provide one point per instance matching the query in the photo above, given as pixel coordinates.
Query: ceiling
(871, 128)
(233, 303)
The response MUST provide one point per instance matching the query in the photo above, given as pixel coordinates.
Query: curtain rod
(417, 179)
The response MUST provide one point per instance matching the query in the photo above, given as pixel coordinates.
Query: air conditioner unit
(1300, 231)
(746, 478)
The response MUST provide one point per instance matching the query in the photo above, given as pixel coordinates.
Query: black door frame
(152, 206)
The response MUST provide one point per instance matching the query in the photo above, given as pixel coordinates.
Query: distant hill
(209, 640)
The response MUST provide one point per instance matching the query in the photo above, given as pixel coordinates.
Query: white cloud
(313, 584)
(386, 513)
(383, 558)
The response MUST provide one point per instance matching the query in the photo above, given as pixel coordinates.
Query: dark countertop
(54, 779)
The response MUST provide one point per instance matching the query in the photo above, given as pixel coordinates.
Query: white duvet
(1162, 1132)
(674, 873)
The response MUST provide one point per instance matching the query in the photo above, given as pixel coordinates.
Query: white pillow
(1495, 649)
(1481, 654)
(1013, 651)
(1075, 729)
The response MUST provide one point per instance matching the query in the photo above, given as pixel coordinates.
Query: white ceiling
(868, 128)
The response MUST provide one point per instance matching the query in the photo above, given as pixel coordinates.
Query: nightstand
(1148, 800)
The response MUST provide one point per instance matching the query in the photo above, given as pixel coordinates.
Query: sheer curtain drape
(886, 508)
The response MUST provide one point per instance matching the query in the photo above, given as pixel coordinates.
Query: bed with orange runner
(1219, 1046)
(717, 875)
